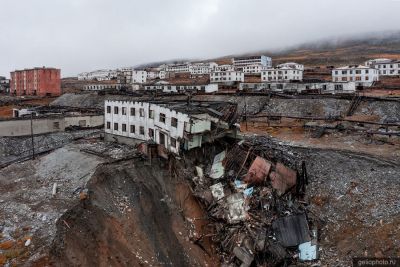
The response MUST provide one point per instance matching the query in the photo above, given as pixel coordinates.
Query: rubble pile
(254, 194)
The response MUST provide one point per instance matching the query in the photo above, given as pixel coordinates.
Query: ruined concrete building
(174, 125)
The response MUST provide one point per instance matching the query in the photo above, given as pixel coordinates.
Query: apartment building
(178, 68)
(225, 67)
(361, 75)
(291, 65)
(98, 75)
(226, 76)
(176, 88)
(139, 76)
(37, 81)
(100, 87)
(386, 67)
(202, 68)
(174, 125)
(256, 69)
(240, 62)
(281, 74)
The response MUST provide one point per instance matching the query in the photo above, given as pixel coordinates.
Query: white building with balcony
(226, 76)
(174, 125)
(361, 75)
(240, 62)
(386, 67)
(283, 74)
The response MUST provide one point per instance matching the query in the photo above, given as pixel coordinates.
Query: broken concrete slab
(291, 230)
(258, 171)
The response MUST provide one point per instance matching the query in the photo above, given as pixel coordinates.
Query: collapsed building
(176, 125)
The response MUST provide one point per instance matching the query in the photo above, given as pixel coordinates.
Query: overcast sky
(83, 35)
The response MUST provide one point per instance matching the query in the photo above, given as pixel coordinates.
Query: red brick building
(38, 81)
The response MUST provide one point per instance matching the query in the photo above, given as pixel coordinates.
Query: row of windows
(357, 78)
(351, 72)
(280, 72)
(162, 117)
(391, 66)
(132, 129)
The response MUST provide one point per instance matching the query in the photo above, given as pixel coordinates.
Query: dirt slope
(130, 219)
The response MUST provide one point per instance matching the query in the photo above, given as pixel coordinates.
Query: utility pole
(33, 143)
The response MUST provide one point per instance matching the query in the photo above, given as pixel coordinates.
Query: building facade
(256, 69)
(291, 65)
(361, 75)
(226, 76)
(240, 62)
(175, 126)
(38, 81)
(176, 88)
(98, 75)
(386, 67)
(281, 74)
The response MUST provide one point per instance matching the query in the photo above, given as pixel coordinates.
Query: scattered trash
(27, 242)
(217, 191)
(236, 208)
(308, 251)
(258, 171)
(291, 230)
(54, 191)
(217, 169)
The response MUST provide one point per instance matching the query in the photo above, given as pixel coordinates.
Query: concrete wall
(47, 125)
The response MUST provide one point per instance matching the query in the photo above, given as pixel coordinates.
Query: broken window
(173, 142)
(56, 125)
(108, 109)
(141, 112)
(162, 139)
(151, 114)
(141, 130)
(124, 127)
(133, 112)
(132, 128)
(123, 110)
(108, 125)
(162, 117)
(151, 133)
(174, 122)
(115, 110)
(115, 126)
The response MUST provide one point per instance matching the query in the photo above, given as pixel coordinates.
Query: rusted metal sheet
(258, 171)
(283, 178)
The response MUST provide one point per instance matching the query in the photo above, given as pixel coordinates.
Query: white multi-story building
(178, 68)
(226, 76)
(174, 125)
(202, 68)
(240, 62)
(291, 65)
(151, 75)
(99, 87)
(361, 75)
(175, 88)
(225, 67)
(253, 69)
(281, 74)
(99, 75)
(386, 67)
(139, 76)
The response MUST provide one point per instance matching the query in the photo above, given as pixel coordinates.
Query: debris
(217, 191)
(243, 255)
(258, 171)
(54, 191)
(291, 230)
(248, 191)
(283, 178)
(27, 242)
(308, 251)
(199, 172)
(236, 208)
(217, 169)
(66, 224)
